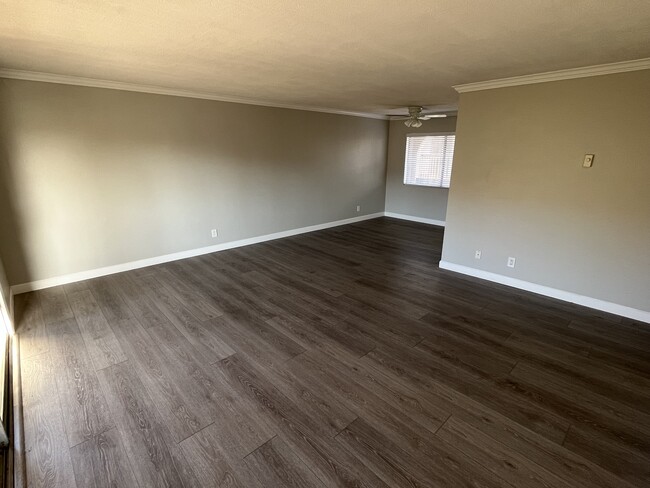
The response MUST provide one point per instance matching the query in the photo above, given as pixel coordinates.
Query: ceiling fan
(416, 116)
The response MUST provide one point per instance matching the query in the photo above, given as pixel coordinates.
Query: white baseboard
(566, 296)
(422, 220)
(594, 303)
(143, 263)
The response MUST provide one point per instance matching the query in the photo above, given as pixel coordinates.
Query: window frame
(424, 134)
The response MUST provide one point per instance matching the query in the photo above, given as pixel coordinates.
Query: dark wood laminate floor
(343, 357)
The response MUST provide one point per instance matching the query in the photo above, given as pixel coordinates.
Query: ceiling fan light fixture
(415, 116)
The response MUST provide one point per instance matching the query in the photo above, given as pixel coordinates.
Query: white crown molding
(412, 218)
(143, 263)
(566, 296)
(158, 90)
(565, 74)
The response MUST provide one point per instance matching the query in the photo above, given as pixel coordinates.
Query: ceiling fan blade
(448, 109)
(442, 108)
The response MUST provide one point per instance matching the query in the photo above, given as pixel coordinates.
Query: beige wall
(416, 201)
(101, 177)
(518, 188)
(4, 294)
(4, 283)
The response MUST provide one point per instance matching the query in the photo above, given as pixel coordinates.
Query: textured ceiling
(355, 55)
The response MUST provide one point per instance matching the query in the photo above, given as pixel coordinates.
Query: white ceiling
(355, 55)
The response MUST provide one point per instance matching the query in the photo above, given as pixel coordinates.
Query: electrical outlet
(511, 262)
(358, 208)
(588, 161)
(477, 254)
(215, 233)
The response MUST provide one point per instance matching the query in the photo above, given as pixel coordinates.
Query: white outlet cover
(214, 233)
(588, 161)
(477, 255)
(511, 262)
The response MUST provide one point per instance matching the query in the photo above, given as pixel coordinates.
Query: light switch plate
(588, 161)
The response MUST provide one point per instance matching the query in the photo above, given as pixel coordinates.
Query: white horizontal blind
(429, 159)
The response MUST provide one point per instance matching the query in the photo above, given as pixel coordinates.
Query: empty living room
(280, 244)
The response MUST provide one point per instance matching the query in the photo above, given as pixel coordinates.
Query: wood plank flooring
(339, 358)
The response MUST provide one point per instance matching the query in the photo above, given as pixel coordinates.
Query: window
(428, 159)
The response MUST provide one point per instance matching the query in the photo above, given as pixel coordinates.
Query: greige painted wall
(4, 293)
(101, 177)
(417, 201)
(519, 190)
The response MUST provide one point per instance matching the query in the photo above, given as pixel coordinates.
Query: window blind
(429, 159)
